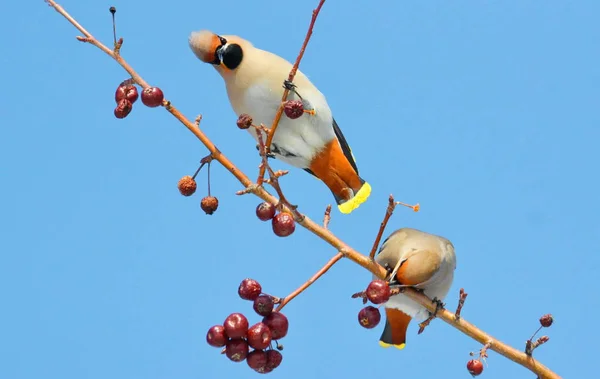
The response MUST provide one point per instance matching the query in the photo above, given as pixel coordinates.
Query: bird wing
(344, 144)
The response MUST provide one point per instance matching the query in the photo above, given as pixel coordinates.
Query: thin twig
(461, 302)
(326, 235)
(290, 79)
(388, 213)
(327, 217)
(310, 281)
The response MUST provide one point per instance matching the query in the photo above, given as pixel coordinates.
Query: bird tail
(394, 333)
(358, 197)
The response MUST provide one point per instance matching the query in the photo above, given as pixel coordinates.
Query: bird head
(223, 52)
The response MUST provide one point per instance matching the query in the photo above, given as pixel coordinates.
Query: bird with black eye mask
(254, 79)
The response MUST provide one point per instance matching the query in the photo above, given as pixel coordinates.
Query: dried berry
(369, 317)
(278, 324)
(274, 359)
(123, 108)
(187, 185)
(126, 91)
(152, 97)
(259, 336)
(209, 204)
(249, 289)
(475, 367)
(244, 121)
(236, 325)
(216, 336)
(283, 224)
(265, 211)
(546, 320)
(263, 305)
(257, 360)
(293, 109)
(378, 291)
(236, 349)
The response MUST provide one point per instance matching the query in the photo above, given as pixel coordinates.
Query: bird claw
(438, 306)
(287, 84)
(269, 155)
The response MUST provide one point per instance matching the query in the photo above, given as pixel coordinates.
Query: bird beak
(208, 46)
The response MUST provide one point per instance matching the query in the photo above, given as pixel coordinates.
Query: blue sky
(484, 112)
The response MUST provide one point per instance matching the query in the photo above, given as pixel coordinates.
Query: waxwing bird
(254, 79)
(420, 260)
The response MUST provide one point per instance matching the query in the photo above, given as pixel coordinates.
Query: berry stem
(208, 170)
(113, 10)
(310, 281)
(388, 213)
(327, 216)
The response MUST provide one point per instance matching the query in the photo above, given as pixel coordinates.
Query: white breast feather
(304, 136)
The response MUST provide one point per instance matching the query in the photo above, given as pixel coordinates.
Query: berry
(244, 121)
(187, 185)
(216, 336)
(546, 320)
(265, 211)
(209, 204)
(257, 360)
(152, 97)
(283, 224)
(475, 367)
(126, 91)
(259, 336)
(278, 324)
(274, 359)
(123, 108)
(263, 305)
(369, 317)
(293, 109)
(249, 289)
(236, 349)
(236, 325)
(378, 291)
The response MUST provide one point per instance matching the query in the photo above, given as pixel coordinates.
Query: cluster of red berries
(187, 187)
(238, 338)
(127, 94)
(378, 292)
(283, 223)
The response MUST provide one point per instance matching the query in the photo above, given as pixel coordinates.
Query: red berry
(126, 91)
(209, 204)
(216, 336)
(263, 305)
(236, 349)
(249, 289)
(475, 367)
(152, 97)
(378, 291)
(278, 324)
(244, 121)
(369, 317)
(257, 360)
(187, 185)
(265, 211)
(274, 359)
(259, 336)
(283, 224)
(293, 108)
(123, 108)
(546, 320)
(236, 325)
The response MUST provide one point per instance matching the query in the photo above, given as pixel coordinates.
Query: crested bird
(420, 260)
(255, 80)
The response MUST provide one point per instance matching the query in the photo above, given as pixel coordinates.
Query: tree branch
(320, 231)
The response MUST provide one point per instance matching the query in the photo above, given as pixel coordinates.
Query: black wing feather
(344, 144)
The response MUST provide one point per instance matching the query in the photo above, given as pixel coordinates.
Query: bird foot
(269, 155)
(287, 84)
(438, 306)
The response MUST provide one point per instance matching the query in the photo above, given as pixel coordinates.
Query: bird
(255, 80)
(420, 260)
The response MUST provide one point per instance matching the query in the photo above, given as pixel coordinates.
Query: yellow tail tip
(361, 196)
(386, 345)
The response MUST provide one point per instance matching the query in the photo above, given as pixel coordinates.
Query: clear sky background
(484, 112)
